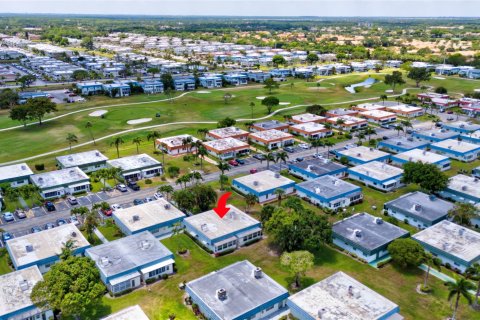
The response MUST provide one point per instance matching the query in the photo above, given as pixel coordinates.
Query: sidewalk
(442, 276)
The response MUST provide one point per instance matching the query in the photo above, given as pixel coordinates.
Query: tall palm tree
(250, 200)
(269, 157)
(67, 249)
(473, 272)
(117, 143)
(406, 124)
(202, 153)
(222, 166)
(89, 127)
(281, 156)
(252, 105)
(71, 138)
(187, 143)
(457, 289)
(153, 135)
(279, 193)
(383, 97)
(369, 131)
(430, 260)
(329, 144)
(137, 141)
(196, 176)
(114, 173)
(203, 132)
(398, 128)
(317, 143)
(102, 175)
(166, 189)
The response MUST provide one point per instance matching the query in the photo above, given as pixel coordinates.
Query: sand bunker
(284, 103)
(137, 121)
(439, 78)
(203, 91)
(261, 98)
(389, 91)
(476, 90)
(98, 113)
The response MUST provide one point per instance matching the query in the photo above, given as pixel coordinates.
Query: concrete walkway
(100, 235)
(442, 276)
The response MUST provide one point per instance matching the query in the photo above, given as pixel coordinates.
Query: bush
(425, 289)
(187, 158)
(148, 181)
(382, 264)
(164, 276)
(39, 166)
(223, 253)
(150, 280)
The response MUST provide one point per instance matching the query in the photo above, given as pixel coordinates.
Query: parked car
(8, 217)
(36, 229)
(61, 222)
(74, 220)
(157, 195)
(50, 206)
(392, 126)
(385, 126)
(72, 200)
(305, 146)
(439, 124)
(317, 156)
(409, 131)
(289, 149)
(240, 161)
(133, 185)
(6, 236)
(450, 112)
(107, 211)
(20, 214)
(450, 118)
(299, 159)
(137, 202)
(148, 199)
(252, 171)
(122, 188)
(49, 226)
(115, 207)
(384, 138)
(233, 163)
(259, 156)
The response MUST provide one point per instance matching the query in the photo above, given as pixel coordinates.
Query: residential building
(461, 127)
(55, 184)
(473, 137)
(129, 262)
(307, 117)
(369, 107)
(152, 86)
(177, 144)
(238, 291)
(348, 123)
(377, 175)
(137, 167)
(341, 297)
(269, 125)
(366, 236)
(24, 96)
(379, 116)
(406, 111)
(272, 139)
(402, 144)
(418, 209)
(42, 249)
(88, 161)
(263, 185)
(229, 132)
(455, 245)
(117, 89)
(220, 235)
(129, 313)
(227, 148)
(211, 81)
(341, 112)
(184, 83)
(417, 155)
(89, 88)
(456, 149)
(435, 135)
(361, 154)
(258, 76)
(16, 175)
(315, 168)
(462, 188)
(311, 130)
(236, 79)
(15, 290)
(159, 217)
(329, 192)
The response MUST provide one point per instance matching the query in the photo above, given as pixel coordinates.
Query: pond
(366, 83)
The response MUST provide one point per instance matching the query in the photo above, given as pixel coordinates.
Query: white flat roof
(44, 244)
(341, 297)
(264, 181)
(453, 239)
(15, 171)
(308, 127)
(377, 114)
(465, 184)
(271, 135)
(348, 120)
(82, 158)
(369, 106)
(404, 108)
(135, 162)
(226, 144)
(59, 177)
(148, 214)
(15, 289)
(474, 135)
(212, 226)
(227, 132)
(307, 117)
(363, 153)
(377, 170)
(417, 155)
(455, 145)
(176, 141)
(130, 313)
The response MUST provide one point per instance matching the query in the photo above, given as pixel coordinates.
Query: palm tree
(117, 143)
(430, 260)
(457, 289)
(203, 132)
(249, 125)
(473, 272)
(398, 128)
(329, 144)
(137, 141)
(182, 181)
(281, 156)
(269, 157)
(202, 153)
(250, 200)
(369, 131)
(67, 249)
(317, 143)
(153, 135)
(89, 127)
(166, 189)
(196, 176)
(252, 105)
(222, 166)
(383, 97)
(406, 124)
(71, 138)
(279, 193)
(102, 175)
(114, 173)
(187, 143)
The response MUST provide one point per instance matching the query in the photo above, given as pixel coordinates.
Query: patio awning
(157, 266)
(124, 278)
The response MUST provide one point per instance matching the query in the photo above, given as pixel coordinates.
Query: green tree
(280, 157)
(227, 97)
(383, 97)
(316, 109)
(173, 171)
(87, 43)
(473, 272)
(462, 213)
(137, 141)
(457, 289)
(298, 263)
(71, 138)
(441, 90)
(167, 80)
(80, 75)
(153, 136)
(26, 80)
(39, 107)
(117, 143)
(89, 127)
(166, 189)
(317, 143)
(252, 105)
(72, 286)
(419, 75)
(227, 122)
(222, 166)
(312, 58)
(278, 60)
(153, 71)
(202, 153)
(250, 200)
(8, 98)
(271, 84)
(270, 157)
(270, 102)
(279, 193)
(430, 260)
(184, 199)
(427, 175)
(21, 113)
(406, 252)
(394, 79)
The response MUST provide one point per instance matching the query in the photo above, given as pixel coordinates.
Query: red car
(108, 212)
(252, 171)
(233, 163)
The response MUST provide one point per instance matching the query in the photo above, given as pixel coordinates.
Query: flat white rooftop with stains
(130, 313)
(264, 181)
(363, 153)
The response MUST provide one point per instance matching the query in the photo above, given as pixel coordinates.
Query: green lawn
(110, 231)
(4, 267)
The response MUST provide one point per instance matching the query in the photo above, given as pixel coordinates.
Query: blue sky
(410, 8)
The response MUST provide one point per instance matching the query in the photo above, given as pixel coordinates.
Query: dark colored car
(137, 202)
(6, 236)
(240, 161)
(61, 222)
(50, 206)
(233, 163)
(133, 185)
(385, 138)
(450, 112)
(49, 226)
(252, 171)
(299, 159)
(289, 149)
(439, 124)
(409, 131)
(259, 156)
(36, 229)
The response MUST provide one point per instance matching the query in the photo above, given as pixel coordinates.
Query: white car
(74, 220)
(304, 146)
(157, 195)
(115, 207)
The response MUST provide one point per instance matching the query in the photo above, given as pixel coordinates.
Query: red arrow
(221, 208)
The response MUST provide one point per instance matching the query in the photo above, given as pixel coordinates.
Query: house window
(122, 286)
(157, 272)
(51, 194)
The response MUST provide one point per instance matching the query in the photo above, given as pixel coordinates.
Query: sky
(323, 8)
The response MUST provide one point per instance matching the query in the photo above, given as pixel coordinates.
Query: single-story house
(177, 144)
(227, 148)
(272, 139)
(417, 155)
(137, 167)
(379, 116)
(263, 185)
(435, 135)
(269, 125)
(311, 130)
(462, 188)
(377, 175)
(348, 123)
(315, 168)
(456, 149)
(228, 132)
(55, 184)
(361, 154)
(88, 161)
(308, 117)
(16, 175)
(402, 144)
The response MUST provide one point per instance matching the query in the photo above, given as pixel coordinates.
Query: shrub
(148, 181)
(150, 280)
(187, 158)
(39, 166)
(164, 276)
(382, 264)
